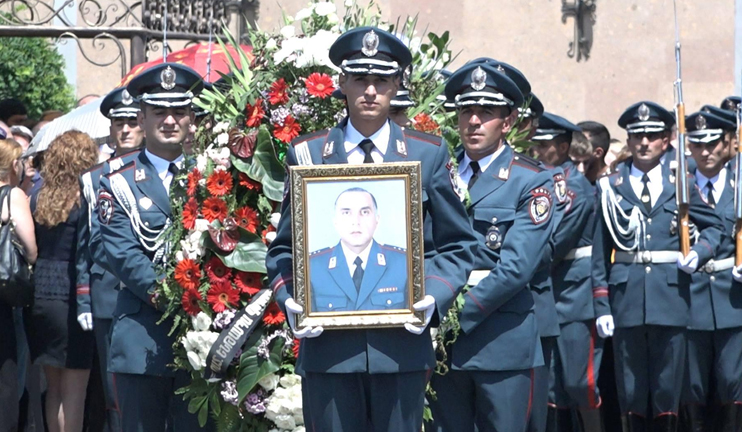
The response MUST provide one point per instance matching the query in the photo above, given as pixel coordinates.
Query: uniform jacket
(383, 350)
(97, 288)
(138, 344)
(384, 284)
(637, 293)
(572, 285)
(716, 298)
(499, 328)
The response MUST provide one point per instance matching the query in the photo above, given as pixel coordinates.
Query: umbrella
(195, 57)
(86, 118)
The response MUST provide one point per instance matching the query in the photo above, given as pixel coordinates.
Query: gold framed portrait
(357, 244)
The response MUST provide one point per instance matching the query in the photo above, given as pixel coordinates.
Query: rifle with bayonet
(738, 191)
(681, 175)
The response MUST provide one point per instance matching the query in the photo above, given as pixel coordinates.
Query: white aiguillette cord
(611, 211)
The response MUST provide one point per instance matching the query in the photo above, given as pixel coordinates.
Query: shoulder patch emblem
(540, 206)
(571, 195)
(560, 187)
(105, 207)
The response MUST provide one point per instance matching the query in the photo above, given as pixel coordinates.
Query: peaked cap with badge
(370, 51)
(509, 71)
(720, 112)
(481, 84)
(166, 85)
(119, 103)
(402, 99)
(731, 103)
(551, 126)
(197, 110)
(646, 117)
(704, 128)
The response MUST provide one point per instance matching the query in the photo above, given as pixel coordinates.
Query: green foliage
(253, 367)
(33, 71)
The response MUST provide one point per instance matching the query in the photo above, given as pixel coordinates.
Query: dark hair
(10, 107)
(599, 135)
(357, 189)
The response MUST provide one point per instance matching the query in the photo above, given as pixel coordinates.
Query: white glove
(737, 273)
(604, 325)
(292, 309)
(427, 304)
(689, 263)
(86, 321)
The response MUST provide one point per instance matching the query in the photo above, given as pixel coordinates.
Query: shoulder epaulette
(422, 136)
(314, 135)
(320, 251)
(393, 248)
(94, 167)
(527, 162)
(128, 166)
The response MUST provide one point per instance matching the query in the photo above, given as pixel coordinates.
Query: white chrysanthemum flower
(285, 421)
(222, 139)
(304, 13)
(333, 18)
(269, 382)
(324, 8)
(287, 32)
(201, 322)
(201, 225)
(271, 45)
(349, 3)
(201, 161)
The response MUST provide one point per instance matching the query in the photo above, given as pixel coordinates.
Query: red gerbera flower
(249, 183)
(278, 93)
(247, 218)
(319, 85)
(214, 208)
(219, 183)
(193, 178)
(190, 213)
(295, 347)
(288, 131)
(425, 123)
(190, 300)
(254, 113)
(221, 295)
(273, 315)
(247, 282)
(217, 271)
(187, 274)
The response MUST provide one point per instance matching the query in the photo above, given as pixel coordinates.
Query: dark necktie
(358, 273)
(367, 145)
(646, 198)
(475, 173)
(710, 194)
(173, 168)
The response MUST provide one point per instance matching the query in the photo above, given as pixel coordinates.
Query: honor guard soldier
(97, 288)
(491, 363)
(578, 350)
(388, 367)
(730, 136)
(731, 103)
(644, 292)
(402, 101)
(134, 212)
(715, 330)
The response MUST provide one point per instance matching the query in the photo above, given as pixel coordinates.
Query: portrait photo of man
(359, 272)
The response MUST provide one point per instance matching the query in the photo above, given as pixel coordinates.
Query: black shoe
(633, 423)
(552, 419)
(692, 418)
(665, 423)
(589, 420)
(729, 419)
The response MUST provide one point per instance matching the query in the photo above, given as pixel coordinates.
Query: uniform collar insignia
(370, 44)
(333, 263)
(329, 147)
(619, 181)
(478, 79)
(381, 259)
(167, 76)
(643, 112)
(401, 148)
(126, 98)
(504, 173)
(139, 175)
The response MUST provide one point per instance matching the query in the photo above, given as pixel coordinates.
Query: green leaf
(263, 166)
(203, 414)
(248, 256)
(253, 367)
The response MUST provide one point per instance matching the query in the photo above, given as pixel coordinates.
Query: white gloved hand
(689, 263)
(292, 309)
(604, 325)
(737, 273)
(86, 321)
(427, 304)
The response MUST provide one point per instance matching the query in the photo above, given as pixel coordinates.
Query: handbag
(16, 288)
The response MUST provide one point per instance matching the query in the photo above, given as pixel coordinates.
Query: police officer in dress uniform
(645, 290)
(578, 350)
(97, 288)
(358, 273)
(358, 380)
(715, 330)
(134, 212)
(730, 136)
(491, 363)
(731, 103)
(402, 101)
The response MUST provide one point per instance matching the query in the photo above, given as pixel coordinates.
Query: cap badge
(406, 77)
(500, 69)
(730, 105)
(126, 98)
(478, 79)
(643, 112)
(701, 122)
(706, 110)
(370, 44)
(167, 76)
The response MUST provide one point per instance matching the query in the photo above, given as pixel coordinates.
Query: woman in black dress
(55, 338)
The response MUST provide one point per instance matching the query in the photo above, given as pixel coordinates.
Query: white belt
(580, 252)
(647, 257)
(715, 266)
(476, 276)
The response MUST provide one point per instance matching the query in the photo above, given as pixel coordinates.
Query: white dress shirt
(654, 184)
(465, 171)
(161, 166)
(350, 257)
(353, 138)
(717, 181)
